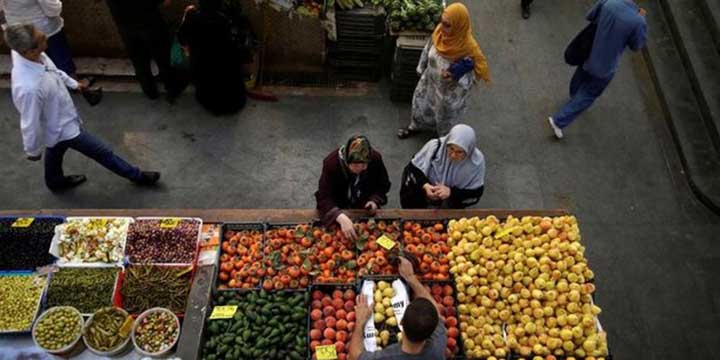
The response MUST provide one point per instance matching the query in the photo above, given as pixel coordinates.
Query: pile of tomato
(333, 256)
(241, 260)
(429, 243)
(287, 261)
(373, 258)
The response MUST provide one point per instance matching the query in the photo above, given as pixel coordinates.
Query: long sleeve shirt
(619, 25)
(47, 112)
(44, 14)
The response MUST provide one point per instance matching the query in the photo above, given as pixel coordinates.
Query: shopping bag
(578, 51)
(178, 59)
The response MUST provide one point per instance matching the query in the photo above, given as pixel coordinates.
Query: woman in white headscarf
(448, 172)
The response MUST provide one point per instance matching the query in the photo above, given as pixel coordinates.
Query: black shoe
(70, 182)
(526, 12)
(148, 178)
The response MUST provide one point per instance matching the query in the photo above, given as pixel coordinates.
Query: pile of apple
(531, 276)
(385, 321)
(333, 320)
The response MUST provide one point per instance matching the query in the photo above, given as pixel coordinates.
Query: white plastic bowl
(143, 316)
(117, 350)
(68, 348)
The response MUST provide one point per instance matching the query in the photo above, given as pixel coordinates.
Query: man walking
(620, 24)
(48, 117)
(147, 38)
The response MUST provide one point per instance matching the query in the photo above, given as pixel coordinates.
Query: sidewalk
(651, 243)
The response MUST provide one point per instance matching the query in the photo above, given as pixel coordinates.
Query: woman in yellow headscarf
(449, 67)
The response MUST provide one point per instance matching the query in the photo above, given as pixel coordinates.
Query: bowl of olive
(58, 330)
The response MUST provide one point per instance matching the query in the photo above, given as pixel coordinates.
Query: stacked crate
(404, 76)
(357, 53)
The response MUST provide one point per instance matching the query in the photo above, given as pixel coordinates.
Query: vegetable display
(58, 328)
(26, 248)
(332, 316)
(333, 256)
(265, 326)
(157, 331)
(107, 329)
(158, 241)
(287, 258)
(19, 300)
(386, 323)
(87, 289)
(241, 259)
(93, 239)
(149, 286)
(373, 258)
(417, 15)
(429, 245)
(531, 275)
(442, 293)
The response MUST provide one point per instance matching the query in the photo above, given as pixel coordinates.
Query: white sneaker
(558, 132)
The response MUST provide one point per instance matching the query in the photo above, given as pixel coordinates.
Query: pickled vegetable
(157, 331)
(59, 328)
(87, 289)
(148, 286)
(26, 248)
(93, 240)
(153, 241)
(19, 298)
(107, 329)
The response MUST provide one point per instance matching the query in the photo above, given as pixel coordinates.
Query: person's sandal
(405, 132)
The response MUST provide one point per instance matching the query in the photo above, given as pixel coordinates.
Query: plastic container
(139, 320)
(68, 349)
(118, 349)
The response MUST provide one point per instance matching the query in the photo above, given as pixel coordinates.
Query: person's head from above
(461, 141)
(420, 320)
(455, 20)
(26, 40)
(357, 154)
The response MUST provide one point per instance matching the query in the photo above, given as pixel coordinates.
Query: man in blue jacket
(620, 24)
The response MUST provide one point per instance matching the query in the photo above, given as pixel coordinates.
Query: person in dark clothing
(525, 5)
(147, 38)
(353, 177)
(215, 62)
(448, 172)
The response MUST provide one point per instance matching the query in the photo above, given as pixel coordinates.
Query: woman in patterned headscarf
(450, 65)
(353, 177)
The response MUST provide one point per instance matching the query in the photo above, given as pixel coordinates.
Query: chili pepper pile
(25, 248)
(87, 289)
(149, 286)
(152, 241)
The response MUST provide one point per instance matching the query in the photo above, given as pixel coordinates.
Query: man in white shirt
(45, 15)
(48, 117)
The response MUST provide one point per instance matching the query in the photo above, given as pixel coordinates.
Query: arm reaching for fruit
(347, 226)
(406, 271)
(362, 315)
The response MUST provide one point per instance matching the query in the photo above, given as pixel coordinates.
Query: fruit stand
(274, 284)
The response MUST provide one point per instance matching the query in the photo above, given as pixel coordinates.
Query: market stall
(274, 284)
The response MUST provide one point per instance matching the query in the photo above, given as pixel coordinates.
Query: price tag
(169, 223)
(22, 222)
(98, 223)
(326, 352)
(386, 242)
(126, 327)
(223, 312)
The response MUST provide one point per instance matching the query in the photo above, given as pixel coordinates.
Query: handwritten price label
(223, 312)
(169, 223)
(326, 352)
(22, 222)
(386, 242)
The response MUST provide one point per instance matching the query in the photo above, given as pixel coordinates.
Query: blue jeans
(584, 89)
(59, 52)
(91, 147)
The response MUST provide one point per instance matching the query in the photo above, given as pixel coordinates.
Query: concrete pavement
(652, 245)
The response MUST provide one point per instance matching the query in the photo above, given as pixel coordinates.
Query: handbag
(178, 59)
(579, 49)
